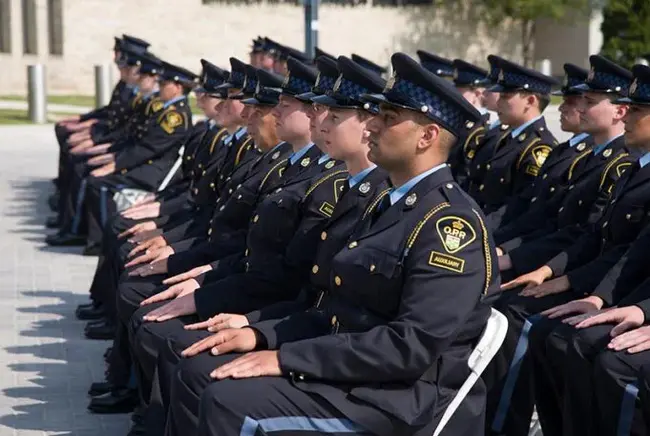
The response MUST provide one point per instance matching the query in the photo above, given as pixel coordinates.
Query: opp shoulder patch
(157, 105)
(540, 153)
(172, 120)
(620, 168)
(455, 233)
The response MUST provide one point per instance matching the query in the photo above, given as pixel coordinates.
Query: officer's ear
(620, 110)
(430, 134)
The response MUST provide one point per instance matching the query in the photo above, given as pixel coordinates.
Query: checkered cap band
(512, 79)
(297, 85)
(607, 81)
(325, 84)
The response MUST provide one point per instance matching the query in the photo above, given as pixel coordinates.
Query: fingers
(127, 232)
(165, 295)
(201, 346)
(511, 284)
(141, 259)
(199, 325)
(238, 368)
(177, 279)
(621, 328)
(574, 320)
(558, 311)
(643, 346)
(602, 318)
(136, 250)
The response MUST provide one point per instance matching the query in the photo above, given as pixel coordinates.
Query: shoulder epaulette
(268, 174)
(322, 180)
(216, 138)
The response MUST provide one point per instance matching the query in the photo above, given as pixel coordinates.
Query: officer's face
(491, 100)
(569, 115)
(246, 113)
(513, 107)
(230, 111)
(472, 95)
(132, 75)
(344, 133)
(147, 83)
(392, 139)
(209, 106)
(291, 119)
(266, 61)
(170, 89)
(316, 114)
(637, 126)
(261, 126)
(598, 113)
(280, 67)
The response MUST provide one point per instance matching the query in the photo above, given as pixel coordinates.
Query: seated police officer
(528, 211)
(386, 347)
(517, 157)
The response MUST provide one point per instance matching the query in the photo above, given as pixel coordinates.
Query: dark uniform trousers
(477, 160)
(255, 288)
(514, 165)
(585, 263)
(131, 291)
(348, 211)
(142, 166)
(529, 210)
(386, 383)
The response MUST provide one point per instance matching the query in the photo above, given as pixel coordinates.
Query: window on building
(55, 26)
(30, 44)
(5, 26)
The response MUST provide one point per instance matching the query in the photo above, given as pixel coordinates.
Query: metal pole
(36, 95)
(311, 26)
(102, 85)
(545, 67)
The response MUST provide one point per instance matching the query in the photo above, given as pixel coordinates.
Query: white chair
(487, 347)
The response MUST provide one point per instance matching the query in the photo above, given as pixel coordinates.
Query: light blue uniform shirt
(323, 158)
(354, 180)
(576, 139)
(601, 147)
(300, 153)
(397, 193)
(644, 160)
(516, 132)
(173, 100)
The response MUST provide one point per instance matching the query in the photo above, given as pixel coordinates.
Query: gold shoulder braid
(275, 167)
(242, 149)
(575, 162)
(603, 177)
(375, 202)
(216, 138)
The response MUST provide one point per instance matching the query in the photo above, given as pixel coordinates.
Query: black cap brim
(307, 97)
(328, 101)
(628, 100)
(382, 99)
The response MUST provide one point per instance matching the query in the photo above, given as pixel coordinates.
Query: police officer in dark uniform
(494, 132)
(548, 348)
(517, 158)
(529, 210)
(426, 231)
(591, 179)
(595, 248)
(471, 81)
(145, 165)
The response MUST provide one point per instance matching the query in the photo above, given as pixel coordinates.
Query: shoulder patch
(455, 233)
(339, 185)
(171, 120)
(157, 105)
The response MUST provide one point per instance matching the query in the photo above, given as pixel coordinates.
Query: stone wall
(183, 31)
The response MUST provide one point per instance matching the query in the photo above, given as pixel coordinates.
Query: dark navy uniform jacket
(468, 143)
(335, 234)
(628, 211)
(147, 162)
(482, 154)
(401, 314)
(284, 223)
(529, 210)
(514, 165)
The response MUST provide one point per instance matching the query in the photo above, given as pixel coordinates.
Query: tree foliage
(626, 30)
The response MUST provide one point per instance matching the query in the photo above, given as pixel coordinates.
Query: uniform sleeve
(640, 297)
(441, 292)
(585, 279)
(530, 162)
(610, 175)
(170, 130)
(98, 113)
(583, 251)
(630, 270)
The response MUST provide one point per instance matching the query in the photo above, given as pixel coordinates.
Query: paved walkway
(46, 365)
(51, 107)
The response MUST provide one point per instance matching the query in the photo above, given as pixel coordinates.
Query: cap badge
(566, 80)
(502, 76)
(634, 86)
(286, 80)
(337, 84)
(275, 155)
(330, 164)
(364, 188)
(592, 73)
(581, 146)
(455, 73)
(258, 88)
(305, 162)
(317, 80)
(243, 85)
(521, 137)
(390, 83)
(411, 199)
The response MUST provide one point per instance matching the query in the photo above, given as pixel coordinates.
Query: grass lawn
(82, 100)
(11, 116)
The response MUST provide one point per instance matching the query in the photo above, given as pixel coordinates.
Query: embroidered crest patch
(455, 233)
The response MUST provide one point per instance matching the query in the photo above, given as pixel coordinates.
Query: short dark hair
(544, 101)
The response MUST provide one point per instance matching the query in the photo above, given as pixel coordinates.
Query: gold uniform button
(212, 185)
(203, 173)
(488, 166)
(323, 236)
(149, 162)
(579, 202)
(246, 252)
(247, 266)
(314, 269)
(372, 268)
(502, 180)
(544, 176)
(482, 187)
(196, 191)
(628, 216)
(534, 199)
(229, 191)
(209, 232)
(571, 187)
(552, 189)
(337, 281)
(333, 320)
(301, 377)
(256, 218)
(352, 244)
(605, 224)
(561, 209)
